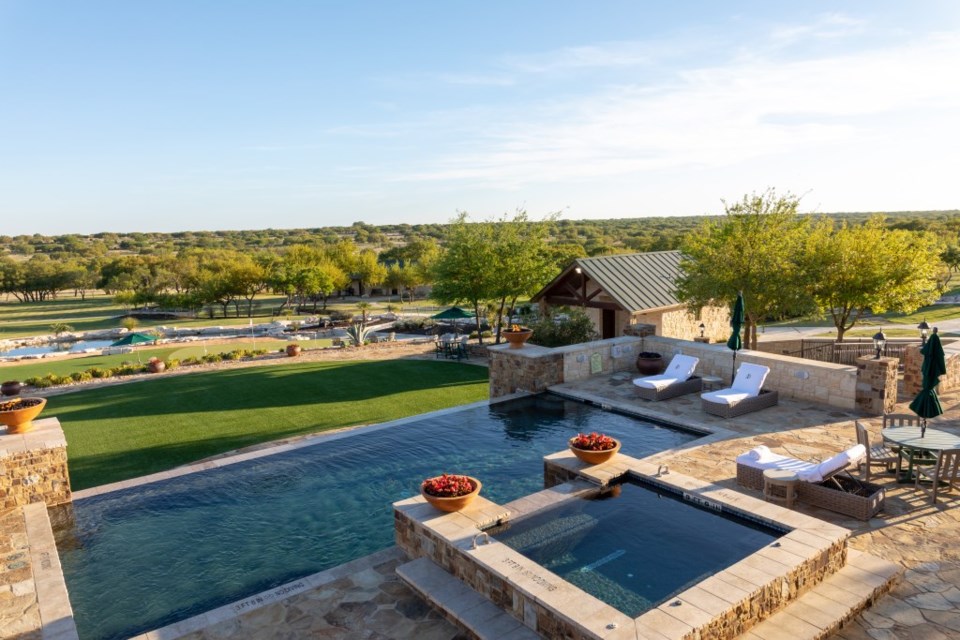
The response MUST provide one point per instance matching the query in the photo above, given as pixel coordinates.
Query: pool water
(57, 347)
(636, 549)
(141, 558)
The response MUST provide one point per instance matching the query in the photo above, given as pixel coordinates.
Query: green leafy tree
(856, 269)
(466, 269)
(574, 327)
(753, 249)
(59, 328)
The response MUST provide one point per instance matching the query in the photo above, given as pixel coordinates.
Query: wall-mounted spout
(662, 470)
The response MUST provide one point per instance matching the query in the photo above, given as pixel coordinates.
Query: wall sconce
(702, 328)
(879, 342)
(924, 331)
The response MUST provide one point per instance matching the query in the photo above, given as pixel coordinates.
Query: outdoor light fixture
(924, 330)
(879, 342)
(703, 328)
(578, 270)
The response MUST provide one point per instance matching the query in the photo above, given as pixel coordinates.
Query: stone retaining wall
(534, 368)
(913, 378)
(33, 466)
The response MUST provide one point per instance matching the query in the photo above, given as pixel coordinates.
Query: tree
(951, 257)
(754, 249)
(59, 328)
(466, 268)
(857, 269)
(524, 262)
(368, 270)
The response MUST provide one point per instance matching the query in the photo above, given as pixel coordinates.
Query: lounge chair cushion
(750, 378)
(680, 369)
(725, 396)
(763, 458)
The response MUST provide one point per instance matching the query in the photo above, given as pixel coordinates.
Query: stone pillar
(876, 385)
(33, 466)
(530, 368)
(912, 378)
(704, 339)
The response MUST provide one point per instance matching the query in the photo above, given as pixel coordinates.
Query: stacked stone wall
(530, 368)
(33, 466)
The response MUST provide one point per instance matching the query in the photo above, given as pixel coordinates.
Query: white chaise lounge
(746, 394)
(752, 464)
(676, 380)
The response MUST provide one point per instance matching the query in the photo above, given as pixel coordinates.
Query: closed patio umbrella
(737, 318)
(927, 403)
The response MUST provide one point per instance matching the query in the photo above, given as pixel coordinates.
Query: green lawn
(125, 431)
(30, 368)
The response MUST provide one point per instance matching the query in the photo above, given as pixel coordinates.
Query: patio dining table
(919, 448)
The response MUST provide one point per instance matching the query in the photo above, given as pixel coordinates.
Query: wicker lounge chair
(676, 380)
(743, 396)
(752, 464)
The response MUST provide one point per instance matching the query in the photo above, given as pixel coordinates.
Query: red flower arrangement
(448, 486)
(593, 441)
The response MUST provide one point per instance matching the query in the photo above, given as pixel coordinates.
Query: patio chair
(752, 464)
(676, 380)
(943, 474)
(879, 455)
(744, 395)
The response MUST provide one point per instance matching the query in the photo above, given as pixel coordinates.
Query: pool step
(822, 611)
(460, 604)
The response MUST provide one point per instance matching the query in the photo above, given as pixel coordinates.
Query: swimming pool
(635, 547)
(144, 557)
(55, 347)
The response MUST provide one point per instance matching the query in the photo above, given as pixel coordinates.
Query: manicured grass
(125, 431)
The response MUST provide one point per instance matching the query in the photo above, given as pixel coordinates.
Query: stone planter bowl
(593, 457)
(453, 504)
(21, 420)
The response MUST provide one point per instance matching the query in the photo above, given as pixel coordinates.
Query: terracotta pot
(453, 504)
(21, 420)
(11, 388)
(156, 366)
(650, 366)
(593, 457)
(293, 350)
(517, 338)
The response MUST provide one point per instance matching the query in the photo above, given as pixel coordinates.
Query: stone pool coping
(723, 606)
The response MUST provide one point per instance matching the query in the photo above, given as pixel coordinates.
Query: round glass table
(917, 449)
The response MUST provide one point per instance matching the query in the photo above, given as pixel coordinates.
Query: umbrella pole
(733, 372)
(923, 427)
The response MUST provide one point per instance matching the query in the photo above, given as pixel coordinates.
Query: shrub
(81, 376)
(575, 327)
(190, 361)
(212, 357)
(97, 372)
(172, 363)
(38, 382)
(258, 352)
(232, 355)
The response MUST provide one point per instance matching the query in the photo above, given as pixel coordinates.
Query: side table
(711, 383)
(780, 486)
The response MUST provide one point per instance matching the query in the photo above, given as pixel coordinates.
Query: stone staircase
(460, 604)
(815, 615)
(822, 611)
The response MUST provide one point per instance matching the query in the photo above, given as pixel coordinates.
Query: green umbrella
(927, 403)
(453, 313)
(133, 338)
(737, 319)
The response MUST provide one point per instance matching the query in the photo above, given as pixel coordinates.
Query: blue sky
(165, 116)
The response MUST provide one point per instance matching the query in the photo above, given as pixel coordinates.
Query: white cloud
(720, 116)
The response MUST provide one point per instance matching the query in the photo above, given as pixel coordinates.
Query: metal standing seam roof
(636, 281)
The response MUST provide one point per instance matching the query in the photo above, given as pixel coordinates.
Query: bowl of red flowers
(18, 414)
(594, 448)
(450, 492)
